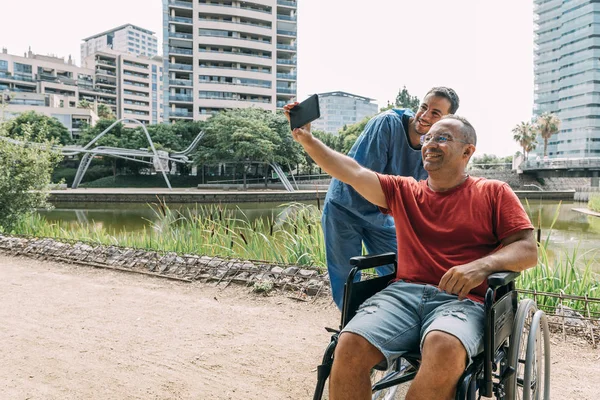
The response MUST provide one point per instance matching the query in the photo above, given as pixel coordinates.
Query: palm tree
(524, 134)
(547, 125)
(85, 104)
(105, 112)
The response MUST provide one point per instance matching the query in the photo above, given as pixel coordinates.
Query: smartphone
(305, 112)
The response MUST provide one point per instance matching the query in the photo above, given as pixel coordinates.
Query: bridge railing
(561, 163)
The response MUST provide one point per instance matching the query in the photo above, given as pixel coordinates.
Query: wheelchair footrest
(395, 378)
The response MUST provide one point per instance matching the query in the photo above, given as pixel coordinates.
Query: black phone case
(305, 112)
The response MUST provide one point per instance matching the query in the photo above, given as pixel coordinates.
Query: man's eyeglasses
(440, 139)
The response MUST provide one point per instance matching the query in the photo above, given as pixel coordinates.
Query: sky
(483, 49)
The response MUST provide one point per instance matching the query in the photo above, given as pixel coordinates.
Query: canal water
(571, 230)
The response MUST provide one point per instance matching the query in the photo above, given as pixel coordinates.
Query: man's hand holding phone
(300, 115)
(299, 134)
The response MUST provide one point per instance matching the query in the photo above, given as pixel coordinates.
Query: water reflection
(129, 217)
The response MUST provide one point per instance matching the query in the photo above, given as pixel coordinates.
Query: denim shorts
(397, 319)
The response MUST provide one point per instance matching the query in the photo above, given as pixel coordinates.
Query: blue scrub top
(382, 147)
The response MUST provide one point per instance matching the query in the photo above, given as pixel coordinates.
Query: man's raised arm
(342, 167)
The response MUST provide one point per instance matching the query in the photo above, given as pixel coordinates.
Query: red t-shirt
(439, 230)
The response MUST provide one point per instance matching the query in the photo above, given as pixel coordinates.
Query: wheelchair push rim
(529, 355)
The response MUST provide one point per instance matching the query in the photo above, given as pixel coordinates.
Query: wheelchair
(514, 364)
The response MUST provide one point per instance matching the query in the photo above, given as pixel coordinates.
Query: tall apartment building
(134, 84)
(567, 74)
(341, 108)
(221, 54)
(126, 38)
(129, 85)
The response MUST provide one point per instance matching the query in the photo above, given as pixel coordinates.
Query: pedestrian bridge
(564, 167)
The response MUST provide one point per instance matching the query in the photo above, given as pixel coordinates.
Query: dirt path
(69, 332)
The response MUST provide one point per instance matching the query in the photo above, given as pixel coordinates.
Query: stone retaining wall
(260, 274)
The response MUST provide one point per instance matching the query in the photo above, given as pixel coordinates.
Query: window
(22, 68)
(3, 65)
(154, 68)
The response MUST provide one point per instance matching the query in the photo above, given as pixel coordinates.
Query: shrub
(25, 172)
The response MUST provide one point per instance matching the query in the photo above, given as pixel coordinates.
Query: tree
(489, 161)
(547, 125)
(524, 134)
(105, 112)
(85, 104)
(242, 136)
(39, 127)
(404, 100)
(25, 174)
(349, 136)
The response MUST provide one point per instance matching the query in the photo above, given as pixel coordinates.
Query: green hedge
(93, 173)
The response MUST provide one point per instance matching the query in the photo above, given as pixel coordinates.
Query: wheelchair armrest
(498, 279)
(371, 261)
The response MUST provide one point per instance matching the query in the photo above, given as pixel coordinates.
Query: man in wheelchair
(453, 231)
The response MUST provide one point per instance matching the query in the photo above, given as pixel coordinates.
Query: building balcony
(107, 91)
(179, 50)
(181, 82)
(287, 76)
(287, 47)
(181, 67)
(286, 91)
(181, 35)
(286, 33)
(287, 3)
(181, 113)
(47, 77)
(181, 98)
(181, 4)
(105, 62)
(283, 17)
(105, 82)
(182, 20)
(217, 98)
(286, 61)
(105, 72)
(7, 75)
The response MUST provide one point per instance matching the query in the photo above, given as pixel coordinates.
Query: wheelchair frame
(495, 372)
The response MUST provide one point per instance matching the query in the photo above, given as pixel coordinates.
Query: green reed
(594, 203)
(568, 272)
(294, 236)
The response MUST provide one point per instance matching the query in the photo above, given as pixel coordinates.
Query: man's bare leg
(350, 375)
(443, 362)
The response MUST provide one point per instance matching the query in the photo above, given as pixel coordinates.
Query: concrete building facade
(126, 38)
(129, 85)
(74, 119)
(567, 74)
(340, 108)
(221, 54)
(135, 84)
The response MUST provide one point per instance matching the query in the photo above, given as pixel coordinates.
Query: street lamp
(539, 228)
(5, 95)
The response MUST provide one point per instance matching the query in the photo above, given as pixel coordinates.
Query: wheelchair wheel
(517, 350)
(536, 379)
(526, 355)
(378, 375)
